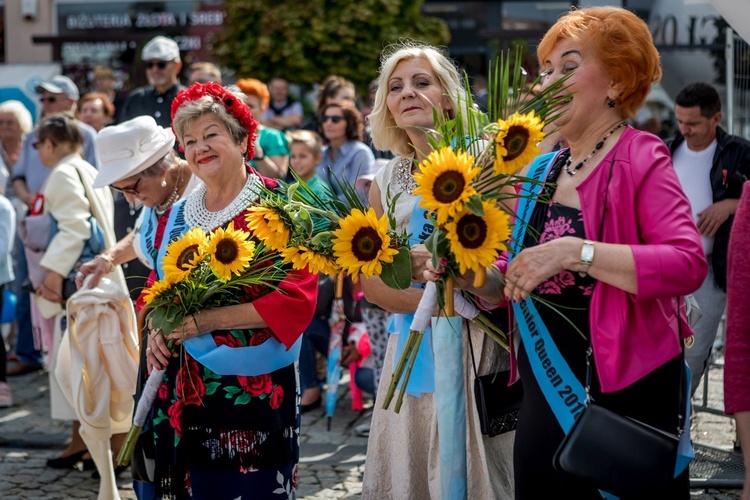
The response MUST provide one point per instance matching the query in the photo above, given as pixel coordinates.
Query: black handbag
(618, 454)
(497, 403)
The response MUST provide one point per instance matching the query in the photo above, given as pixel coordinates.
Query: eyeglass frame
(132, 190)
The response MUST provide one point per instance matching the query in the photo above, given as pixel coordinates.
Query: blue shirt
(353, 159)
(30, 167)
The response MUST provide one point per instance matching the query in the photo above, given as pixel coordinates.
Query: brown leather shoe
(20, 368)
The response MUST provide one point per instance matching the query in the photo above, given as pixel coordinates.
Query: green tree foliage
(304, 41)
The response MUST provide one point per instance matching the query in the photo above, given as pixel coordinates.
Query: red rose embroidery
(163, 392)
(227, 339)
(190, 388)
(255, 386)
(175, 417)
(259, 337)
(277, 396)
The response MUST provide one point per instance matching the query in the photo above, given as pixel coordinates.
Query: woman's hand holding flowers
(192, 326)
(157, 351)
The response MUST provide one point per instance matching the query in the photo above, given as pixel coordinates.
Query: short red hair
(621, 41)
(251, 86)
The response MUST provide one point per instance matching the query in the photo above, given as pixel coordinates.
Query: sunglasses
(132, 189)
(48, 99)
(334, 119)
(158, 64)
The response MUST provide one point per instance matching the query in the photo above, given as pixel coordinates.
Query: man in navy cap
(161, 56)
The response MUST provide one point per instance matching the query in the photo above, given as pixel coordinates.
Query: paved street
(331, 462)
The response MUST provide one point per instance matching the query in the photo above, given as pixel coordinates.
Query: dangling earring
(164, 182)
(611, 103)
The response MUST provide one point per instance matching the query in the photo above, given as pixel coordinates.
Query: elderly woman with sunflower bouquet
(402, 459)
(226, 424)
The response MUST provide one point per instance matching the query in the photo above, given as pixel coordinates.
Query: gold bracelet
(109, 260)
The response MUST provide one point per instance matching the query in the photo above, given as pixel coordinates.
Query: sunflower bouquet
(201, 271)
(467, 185)
(325, 235)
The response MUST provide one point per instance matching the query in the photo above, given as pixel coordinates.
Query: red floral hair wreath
(234, 106)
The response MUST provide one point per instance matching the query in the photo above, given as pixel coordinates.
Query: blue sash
(147, 229)
(250, 361)
(422, 379)
(564, 393)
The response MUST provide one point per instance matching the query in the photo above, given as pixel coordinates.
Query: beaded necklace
(599, 145)
(404, 177)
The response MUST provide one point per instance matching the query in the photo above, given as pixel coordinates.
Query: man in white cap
(161, 56)
(57, 95)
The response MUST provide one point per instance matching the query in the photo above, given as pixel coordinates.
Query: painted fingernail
(443, 261)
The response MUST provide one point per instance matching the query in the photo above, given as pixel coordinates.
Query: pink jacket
(634, 334)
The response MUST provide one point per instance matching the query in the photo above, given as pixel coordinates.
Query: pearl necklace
(599, 145)
(197, 215)
(162, 207)
(404, 177)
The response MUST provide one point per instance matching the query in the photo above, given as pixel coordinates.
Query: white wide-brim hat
(130, 148)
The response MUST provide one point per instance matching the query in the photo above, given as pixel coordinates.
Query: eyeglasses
(130, 190)
(48, 99)
(334, 119)
(158, 64)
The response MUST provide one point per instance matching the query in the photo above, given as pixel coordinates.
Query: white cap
(161, 48)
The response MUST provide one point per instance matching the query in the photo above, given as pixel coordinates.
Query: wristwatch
(587, 257)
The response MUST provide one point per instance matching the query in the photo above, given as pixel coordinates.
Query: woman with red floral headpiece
(223, 430)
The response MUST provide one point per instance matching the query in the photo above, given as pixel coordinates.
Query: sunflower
(156, 289)
(302, 257)
(444, 180)
(475, 241)
(361, 244)
(516, 142)
(270, 226)
(230, 251)
(183, 255)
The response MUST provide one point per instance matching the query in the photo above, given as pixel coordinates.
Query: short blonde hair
(622, 43)
(386, 136)
(307, 138)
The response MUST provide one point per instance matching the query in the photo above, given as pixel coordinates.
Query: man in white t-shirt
(712, 166)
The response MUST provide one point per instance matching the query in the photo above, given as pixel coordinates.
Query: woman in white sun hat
(138, 159)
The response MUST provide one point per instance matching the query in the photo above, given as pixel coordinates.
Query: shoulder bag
(497, 403)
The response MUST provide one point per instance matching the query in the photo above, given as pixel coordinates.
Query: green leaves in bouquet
(509, 91)
(397, 274)
(166, 318)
